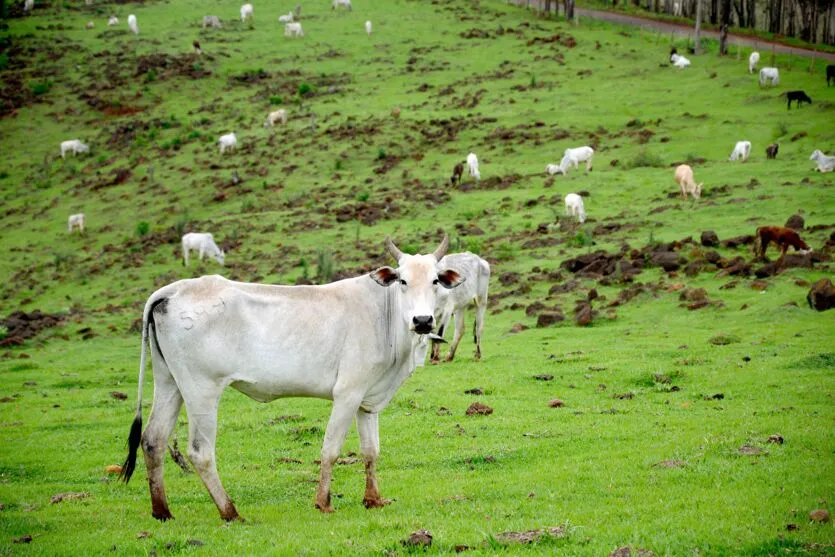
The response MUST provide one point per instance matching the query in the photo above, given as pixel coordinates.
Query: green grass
(591, 466)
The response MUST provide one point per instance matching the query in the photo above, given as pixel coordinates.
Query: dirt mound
(367, 212)
(565, 40)
(822, 295)
(164, 66)
(491, 183)
(600, 264)
(23, 326)
(795, 222)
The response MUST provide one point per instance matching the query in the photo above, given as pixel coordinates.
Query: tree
(698, 46)
(568, 6)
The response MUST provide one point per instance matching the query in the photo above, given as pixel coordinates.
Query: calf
(769, 75)
(771, 151)
(830, 73)
(798, 96)
(741, 151)
(246, 12)
(293, 30)
(753, 60)
(574, 207)
(825, 163)
(472, 166)
(475, 273)
(113, 21)
(679, 61)
(552, 169)
(457, 172)
(212, 21)
(76, 221)
(132, 24)
(204, 244)
(684, 179)
(783, 237)
(228, 141)
(73, 145)
(279, 115)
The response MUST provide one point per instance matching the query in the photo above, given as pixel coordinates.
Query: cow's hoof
(163, 516)
(434, 362)
(377, 503)
(449, 358)
(327, 509)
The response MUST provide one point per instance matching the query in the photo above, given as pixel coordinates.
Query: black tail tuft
(133, 446)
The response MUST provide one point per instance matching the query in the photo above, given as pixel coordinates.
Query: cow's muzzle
(422, 324)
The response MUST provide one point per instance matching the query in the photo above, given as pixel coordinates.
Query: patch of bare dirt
(530, 536)
(23, 326)
(165, 66)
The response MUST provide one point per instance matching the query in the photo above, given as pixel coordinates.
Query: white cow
(73, 145)
(343, 3)
(286, 18)
(228, 141)
(368, 27)
(573, 157)
(825, 163)
(353, 342)
(454, 303)
(741, 151)
(771, 75)
(246, 12)
(212, 21)
(113, 21)
(28, 5)
(293, 30)
(679, 61)
(132, 24)
(574, 207)
(204, 244)
(472, 166)
(686, 184)
(279, 115)
(753, 60)
(554, 169)
(76, 221)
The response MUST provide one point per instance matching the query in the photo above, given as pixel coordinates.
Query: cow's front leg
(369, 432)
(341, 417)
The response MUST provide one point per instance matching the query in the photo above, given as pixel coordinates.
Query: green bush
(338, 165)
(150, 76)
(363, 196)
(305, 90)
(381, 154)
(4, 61)
(276, 99)
(41, 87)
(645, 159)
(325, 266)
(142, 228)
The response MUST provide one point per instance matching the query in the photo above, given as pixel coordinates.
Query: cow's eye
(403, 282)
(436, 281)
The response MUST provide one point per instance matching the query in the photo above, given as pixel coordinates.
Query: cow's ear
(450, 279)
(384, 276)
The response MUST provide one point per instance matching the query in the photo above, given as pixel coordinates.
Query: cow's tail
(135, 435)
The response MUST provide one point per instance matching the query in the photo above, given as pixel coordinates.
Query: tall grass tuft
(645, 159)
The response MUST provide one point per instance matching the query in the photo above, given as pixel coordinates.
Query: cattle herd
(270, 341)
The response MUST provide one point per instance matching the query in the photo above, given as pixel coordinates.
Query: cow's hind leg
(460, 324)
(478, 326)
(342, 415)
(202, 433)
(166, 408)
(369, 432)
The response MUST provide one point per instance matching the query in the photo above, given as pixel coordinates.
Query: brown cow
(457, 172)
(771, 151)
(783, 237)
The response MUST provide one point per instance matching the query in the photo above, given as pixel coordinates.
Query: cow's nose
(423, 323)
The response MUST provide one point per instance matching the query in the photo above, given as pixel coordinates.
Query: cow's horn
(442, 249)
(393, 250)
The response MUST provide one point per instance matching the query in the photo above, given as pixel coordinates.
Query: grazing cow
(212, 21)
(368, 27)
(204, 244)
(132, 25)
(552, 169)
(574, 207)
(783, 237)
(830, 73)
(686, 184)
(246, 12)
(769, 75)
(799, 97)
(573, 157)
(287, 18)
(343, 3)
(454, 303)
(228, 141)
(279, 115)
(741, 151)
(113, 21)
(28, 5)
(472, 166)
(196, 45)
(293, 30)
(679, 61)
(76, 221)
(354, 342)
(457, 172)
(771, 151)
(90, 25)
(73, 145)
(753, 60)
(825, 163)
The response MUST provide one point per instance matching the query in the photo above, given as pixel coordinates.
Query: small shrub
(506, 252)
(276, 99)
(533, 81)
(4, 332)
(325, 266)
(197, 67)
(645, 159)
(4, 61)
(581, 239)
(474, 245)
(780, 129)
(338, 165)
(41, 87)
(305, 90)
(363, 196)
(194, 134)
(142, 228)
(180, 224)
(3, 175)
(247, 205)
(150, 76)
(381, 154)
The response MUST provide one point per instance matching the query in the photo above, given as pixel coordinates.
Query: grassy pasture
(643, 453)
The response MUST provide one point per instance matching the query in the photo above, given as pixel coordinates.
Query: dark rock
(508, 278)
(534, 309)
(479, 408)
(693, 268)
(421, 538)
(736, 241)
(822, 295)
(710, 239)
(795, 222)
(667, 260)
(713, 257)
(549, 318)
(584, 314)
(693, 295)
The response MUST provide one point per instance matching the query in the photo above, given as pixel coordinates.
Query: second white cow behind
(741, 151)
(228, 141)
(573, 157)
(454, 303)
(472, 166)
(574, 207)
(279, 115)
(204, 244)
(293, 30)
